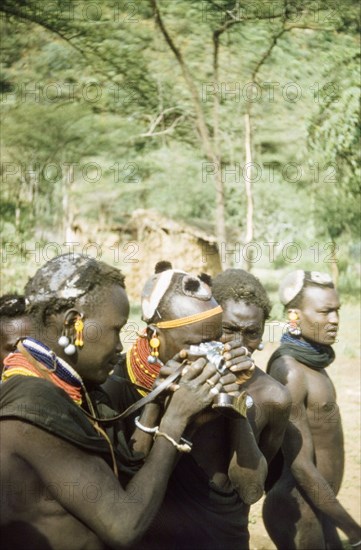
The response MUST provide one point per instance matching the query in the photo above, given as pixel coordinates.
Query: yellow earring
(154, 343)
(79, 336)
(293, 327)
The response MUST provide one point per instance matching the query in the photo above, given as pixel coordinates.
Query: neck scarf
(316, 356)
(38, 360)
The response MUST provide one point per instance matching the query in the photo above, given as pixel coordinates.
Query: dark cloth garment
(315, 356)
(122, 394)
(195, 515)
(48, 407)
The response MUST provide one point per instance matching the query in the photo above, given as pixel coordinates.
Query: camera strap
(144, 400)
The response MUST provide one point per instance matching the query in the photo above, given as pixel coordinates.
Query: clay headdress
(66, 278)
(166, 279)
(295, 281)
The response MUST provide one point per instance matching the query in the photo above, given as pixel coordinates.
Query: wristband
(185, 447)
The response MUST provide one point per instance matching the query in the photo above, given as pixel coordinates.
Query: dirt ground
(345, 373)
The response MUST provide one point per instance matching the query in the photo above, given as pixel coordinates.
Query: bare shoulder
(265, 389)
(39, 448)
(292, 374)
(287, 369)
(17, 433)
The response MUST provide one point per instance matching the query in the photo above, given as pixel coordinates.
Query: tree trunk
(67, 213)
(335, 272)
(209, 147)
(248, 184)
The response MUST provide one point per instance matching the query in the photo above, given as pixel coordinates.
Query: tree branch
(201, 123)
(168, 130)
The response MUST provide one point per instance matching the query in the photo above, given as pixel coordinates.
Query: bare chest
(28, 503)
(322, 409)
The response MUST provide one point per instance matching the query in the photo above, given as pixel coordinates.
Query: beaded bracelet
(184, 447)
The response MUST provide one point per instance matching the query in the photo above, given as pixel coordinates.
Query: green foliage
(334, 136)
(102, 88)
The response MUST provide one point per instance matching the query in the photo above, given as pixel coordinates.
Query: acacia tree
(210, 125)
(42, 149)
(40, 130)
(334, 135)
(232, 42)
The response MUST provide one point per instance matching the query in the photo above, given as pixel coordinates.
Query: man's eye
(253, 335)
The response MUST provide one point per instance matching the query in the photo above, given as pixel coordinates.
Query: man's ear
(69, 316)
(151, 330)
(293, 312)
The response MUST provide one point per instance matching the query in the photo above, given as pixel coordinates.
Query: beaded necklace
(139, 370)
(33, 358)
(49, 366)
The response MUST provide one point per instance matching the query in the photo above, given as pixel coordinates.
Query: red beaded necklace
(140, 371)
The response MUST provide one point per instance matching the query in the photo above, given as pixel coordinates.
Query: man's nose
(240, 338)
(333, 317)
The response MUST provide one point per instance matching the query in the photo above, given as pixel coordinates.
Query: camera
(226, 404)
(213, 352)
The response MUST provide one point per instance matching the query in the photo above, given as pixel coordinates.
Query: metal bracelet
(145, 428)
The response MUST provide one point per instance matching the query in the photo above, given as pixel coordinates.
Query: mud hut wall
(183, 250)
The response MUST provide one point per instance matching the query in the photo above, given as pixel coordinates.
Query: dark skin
(313, 443)
(243, 325)
(11, 329)
(59, 496)
(224, 448)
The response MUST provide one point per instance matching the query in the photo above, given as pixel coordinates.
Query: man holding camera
(60, 461)
(225, 470)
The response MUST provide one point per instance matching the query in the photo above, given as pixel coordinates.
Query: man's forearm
(248, 467)
(142, 441)
(322, 496)
(151, 481)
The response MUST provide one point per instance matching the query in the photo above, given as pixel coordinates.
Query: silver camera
(213, 352)
(229, 405)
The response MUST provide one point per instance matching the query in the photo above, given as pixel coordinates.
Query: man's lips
(111, 365)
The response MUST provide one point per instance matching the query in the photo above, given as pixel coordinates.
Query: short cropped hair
(239, 285)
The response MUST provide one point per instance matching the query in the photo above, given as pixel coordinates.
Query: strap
(132, 408)
(120, 380)
(144, 400)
